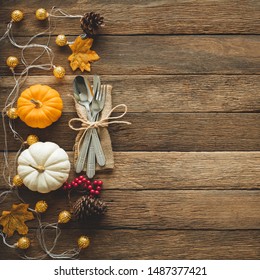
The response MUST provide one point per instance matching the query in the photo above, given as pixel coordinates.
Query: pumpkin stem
(37, 103)
(39, 168)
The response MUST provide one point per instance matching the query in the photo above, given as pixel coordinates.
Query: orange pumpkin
(39, 106)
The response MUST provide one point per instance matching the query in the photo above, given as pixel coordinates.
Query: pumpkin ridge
(23, 111)
(47, 175)
(52, 113)
(45, 100)
(50, 94)
(35, 122)
(57, 171)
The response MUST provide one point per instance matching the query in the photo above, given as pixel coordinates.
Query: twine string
(103, 122)
(19, 80)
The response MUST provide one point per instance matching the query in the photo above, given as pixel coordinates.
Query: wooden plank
(147, 55)
(162, 132)
(152, 244)
(187, 93)
(146, 17)
(218, 170)
(160, 209)
(138, 170)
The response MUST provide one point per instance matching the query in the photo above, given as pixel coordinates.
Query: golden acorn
(59, 72)
(17, 181)
(23, 243)
(12, 113)
(64, 217)
(12, 61)
(17, 15)
(32, 139)
(41, 14)
(61, 40)
(83, 242)
(41, 206)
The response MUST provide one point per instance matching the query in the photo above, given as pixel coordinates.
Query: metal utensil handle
(101, 160)
(91, 163)
(79, 166)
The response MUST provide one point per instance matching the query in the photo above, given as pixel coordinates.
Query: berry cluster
(93, 188)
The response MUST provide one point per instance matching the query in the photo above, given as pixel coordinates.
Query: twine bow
(104, 122)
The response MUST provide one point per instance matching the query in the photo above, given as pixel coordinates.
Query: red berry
(84, 180)
(65, 187)
(79, 182)
(76, 180)
(81, 177)
(95, 182)
(88, 182)
(92, 191)
(98, 188)
(100, 182)
(89, 187)
(75, 185)
(69, 186)
(97, 192)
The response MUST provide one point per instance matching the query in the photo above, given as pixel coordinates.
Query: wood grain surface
(192, 170)
(157, 55)
(147, 16)
(186, 183)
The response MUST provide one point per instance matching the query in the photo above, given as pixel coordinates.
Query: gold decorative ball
(83, 242)
(61, 40)
(12, 113)
(32, 139)
(23, 243)
(41, 14)
(17, 15)
(59, 72)
(12, 61)
(17, 181)
(41, 206)
(64, 217)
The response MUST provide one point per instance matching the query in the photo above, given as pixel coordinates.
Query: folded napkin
(102, 132)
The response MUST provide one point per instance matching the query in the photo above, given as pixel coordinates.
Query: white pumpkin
(44, 167)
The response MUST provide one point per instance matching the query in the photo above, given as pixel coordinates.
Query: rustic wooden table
(187, 175)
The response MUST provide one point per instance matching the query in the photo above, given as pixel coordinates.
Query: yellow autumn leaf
(82, 55)
(15, 219)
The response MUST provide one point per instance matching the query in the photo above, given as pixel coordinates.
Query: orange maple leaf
(82, 55)
(15, 219)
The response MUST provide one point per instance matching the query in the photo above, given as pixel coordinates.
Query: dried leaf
(82, 55)
(14, 220)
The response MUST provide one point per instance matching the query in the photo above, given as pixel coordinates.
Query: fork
(85, 100)
(95, 146)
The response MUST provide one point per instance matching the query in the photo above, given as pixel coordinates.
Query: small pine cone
(90, 23)
(88, 206)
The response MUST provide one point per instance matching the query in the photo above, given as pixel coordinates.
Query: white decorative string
(41, 232)
(19, 79)
(64, 14)
(8, 28)
(4, 194)
(5, 242)
(13, 96)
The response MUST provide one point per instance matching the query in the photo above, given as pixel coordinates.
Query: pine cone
(90, 23)
(88, 206)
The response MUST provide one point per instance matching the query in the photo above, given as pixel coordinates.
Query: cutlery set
(93, 99)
